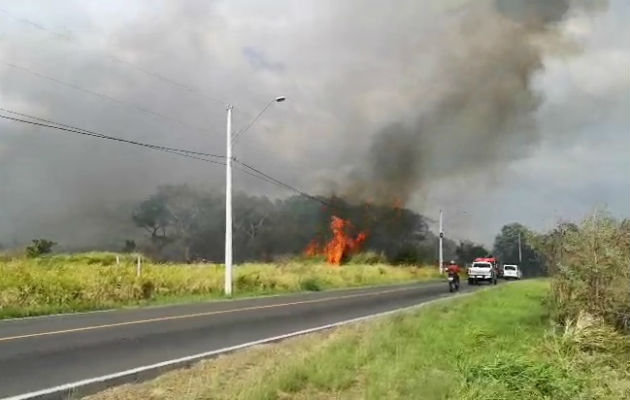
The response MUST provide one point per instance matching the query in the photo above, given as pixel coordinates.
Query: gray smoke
(481, 115)
(383, 99)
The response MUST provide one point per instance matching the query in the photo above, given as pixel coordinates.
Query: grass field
(90, 281)
(494, 344)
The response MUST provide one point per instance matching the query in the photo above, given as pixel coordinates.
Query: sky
(485, 109)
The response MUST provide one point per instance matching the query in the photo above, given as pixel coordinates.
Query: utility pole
(228, 203)
(228, 187)
(440, 251)
(520, 253)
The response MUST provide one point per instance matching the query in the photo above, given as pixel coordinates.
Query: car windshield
(509, 268)
(482, 265)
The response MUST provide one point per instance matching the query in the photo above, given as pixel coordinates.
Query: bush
(40, 247)
(408, 255)
(129, 247)
(591, 271)
(311, 285)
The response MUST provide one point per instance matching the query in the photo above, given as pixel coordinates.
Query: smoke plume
(481, 110)
(385, 100)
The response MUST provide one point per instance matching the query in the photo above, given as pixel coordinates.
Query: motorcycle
(453, 282)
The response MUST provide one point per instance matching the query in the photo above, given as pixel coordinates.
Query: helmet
(452, 262)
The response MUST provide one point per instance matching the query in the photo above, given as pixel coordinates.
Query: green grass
(92, 281)
(494, 344)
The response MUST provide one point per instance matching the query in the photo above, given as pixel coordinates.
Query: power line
(200, 156)
(280, 183)
(100, 95)
(72, 129)
(247, 172)
(137, 67)
(249, 125)
(242, 167)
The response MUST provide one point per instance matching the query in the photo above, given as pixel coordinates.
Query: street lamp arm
(278, 99)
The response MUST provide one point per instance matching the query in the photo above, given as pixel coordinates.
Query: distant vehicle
(512, 271)
(495, 264)
(482, 270)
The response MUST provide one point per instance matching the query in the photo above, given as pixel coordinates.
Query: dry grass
(87, 281)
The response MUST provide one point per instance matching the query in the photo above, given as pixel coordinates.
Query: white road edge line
(208, 354)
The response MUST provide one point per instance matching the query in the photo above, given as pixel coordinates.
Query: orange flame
(312, 249)
(342, 244)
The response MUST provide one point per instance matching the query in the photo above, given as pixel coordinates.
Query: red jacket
(453, 269)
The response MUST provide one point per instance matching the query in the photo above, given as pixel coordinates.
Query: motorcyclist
(454, 270)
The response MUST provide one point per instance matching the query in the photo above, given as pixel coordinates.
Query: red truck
(484, 269)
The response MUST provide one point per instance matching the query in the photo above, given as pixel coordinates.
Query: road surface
(46, 352)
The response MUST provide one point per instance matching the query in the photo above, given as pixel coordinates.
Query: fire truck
(495, 264)
(484, 269)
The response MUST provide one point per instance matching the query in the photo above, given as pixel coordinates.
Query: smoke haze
(387, 102)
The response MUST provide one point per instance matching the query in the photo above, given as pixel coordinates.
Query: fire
(312, 249)
(341, 245)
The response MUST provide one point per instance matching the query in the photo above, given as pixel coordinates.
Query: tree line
(185, 223)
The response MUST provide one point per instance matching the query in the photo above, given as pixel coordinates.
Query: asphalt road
(44, 352)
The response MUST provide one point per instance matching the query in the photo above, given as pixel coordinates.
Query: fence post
(117, 259)
(139, 267)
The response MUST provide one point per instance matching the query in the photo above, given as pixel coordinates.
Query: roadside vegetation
(590, 266)
(90, 281)
(565, 337)
(502, 350)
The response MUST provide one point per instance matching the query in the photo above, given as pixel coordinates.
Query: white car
(481, 271)
(511, 271)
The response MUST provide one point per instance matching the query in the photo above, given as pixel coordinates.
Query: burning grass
(89, 281)
(504, 350)
(342, 245)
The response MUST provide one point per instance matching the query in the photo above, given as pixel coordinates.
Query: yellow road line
(202, 314)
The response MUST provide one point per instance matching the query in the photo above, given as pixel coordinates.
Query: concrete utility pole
(440, 251)
(520, 253)
(228, 203)
(228, 188)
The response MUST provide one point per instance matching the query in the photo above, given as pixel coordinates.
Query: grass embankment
(91, 281)
(494, 344)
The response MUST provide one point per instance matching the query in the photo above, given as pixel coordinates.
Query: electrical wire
(280, 183)
(137, 67)
(72, 129)
(101, 95)
(242, 167)
(236, 135)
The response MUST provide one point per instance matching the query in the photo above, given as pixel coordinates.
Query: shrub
(40, 247)
(311, 285)
(147, 289)
(129, 247)
(591, 271)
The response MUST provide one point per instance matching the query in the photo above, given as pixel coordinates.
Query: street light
(228, 188)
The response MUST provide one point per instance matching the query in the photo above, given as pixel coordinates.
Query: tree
(467, 251)
(187, 223)
(40, 247)
(506, 249)
(153, 216)
(551, 245)
(130, 246)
